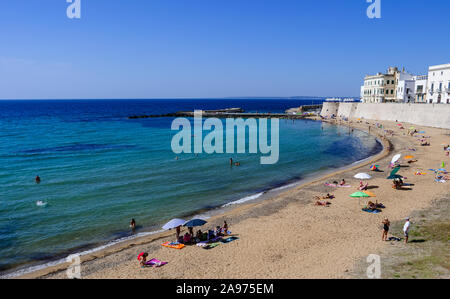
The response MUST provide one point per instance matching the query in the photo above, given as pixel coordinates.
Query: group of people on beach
(190, 238)
(386, 225)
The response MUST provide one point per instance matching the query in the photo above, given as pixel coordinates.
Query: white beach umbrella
(362, 176)
(174, 223)
(396, 158)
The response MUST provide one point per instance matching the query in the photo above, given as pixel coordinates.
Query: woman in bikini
(386, 225)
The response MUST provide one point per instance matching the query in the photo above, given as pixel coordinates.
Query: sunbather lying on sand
(376, 205)
(322, 203)
(363, 186)
(328, 196)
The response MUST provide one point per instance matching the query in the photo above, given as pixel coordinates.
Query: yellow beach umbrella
(369, 193)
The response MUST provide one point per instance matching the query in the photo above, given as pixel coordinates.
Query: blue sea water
(99, 169)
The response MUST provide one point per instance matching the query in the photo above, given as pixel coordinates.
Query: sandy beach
(288, 236)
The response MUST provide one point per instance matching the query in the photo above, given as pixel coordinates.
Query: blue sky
(212, 48)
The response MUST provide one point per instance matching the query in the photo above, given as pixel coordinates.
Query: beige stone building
(380, 88)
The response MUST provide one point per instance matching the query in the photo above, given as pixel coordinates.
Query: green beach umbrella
(394, 171)
(359, 194)
(394, 176)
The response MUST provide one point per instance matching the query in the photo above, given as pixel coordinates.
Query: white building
(438, 86)
(405, 87)
(421, 89)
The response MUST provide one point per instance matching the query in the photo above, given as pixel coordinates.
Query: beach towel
(211, 246)
(155, 263)
(394, 239)
(174, 245)
(228, 240)
(372, 211)
(338, 186)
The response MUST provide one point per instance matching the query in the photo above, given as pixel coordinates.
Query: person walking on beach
(386, 223)
(406, 229)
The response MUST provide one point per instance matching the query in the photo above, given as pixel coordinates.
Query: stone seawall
(432, 115)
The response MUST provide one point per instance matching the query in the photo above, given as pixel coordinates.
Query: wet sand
(288, 236)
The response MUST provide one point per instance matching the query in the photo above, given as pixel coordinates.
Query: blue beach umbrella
(195, 222)
(174, 223)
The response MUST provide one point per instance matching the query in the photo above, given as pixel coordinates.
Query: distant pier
(293, 113)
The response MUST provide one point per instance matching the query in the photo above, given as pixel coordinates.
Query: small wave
(41, 203)
(242, 200)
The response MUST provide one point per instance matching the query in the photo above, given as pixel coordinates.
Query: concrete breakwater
(223, 113)
(432, 115)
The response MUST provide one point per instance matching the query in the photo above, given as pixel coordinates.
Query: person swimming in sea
(37, 179)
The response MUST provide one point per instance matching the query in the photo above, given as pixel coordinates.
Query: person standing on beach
(406, 229)
(386, 225)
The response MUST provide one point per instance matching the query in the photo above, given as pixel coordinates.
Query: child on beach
(142, 258)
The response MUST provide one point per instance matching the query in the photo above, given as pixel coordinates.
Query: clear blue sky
(212, 48)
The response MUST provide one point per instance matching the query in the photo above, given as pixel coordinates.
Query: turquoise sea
(99, 169)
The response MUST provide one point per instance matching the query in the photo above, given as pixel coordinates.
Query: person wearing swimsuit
(386, 225)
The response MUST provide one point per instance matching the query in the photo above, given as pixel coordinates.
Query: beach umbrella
(442, 170)
(394, 176)
(174, 223)
(194, 222)
(359, 194)
(374, 167)
(362, 176)
(369, 193)
(395, 158)
(408, 157)
(395, 170)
